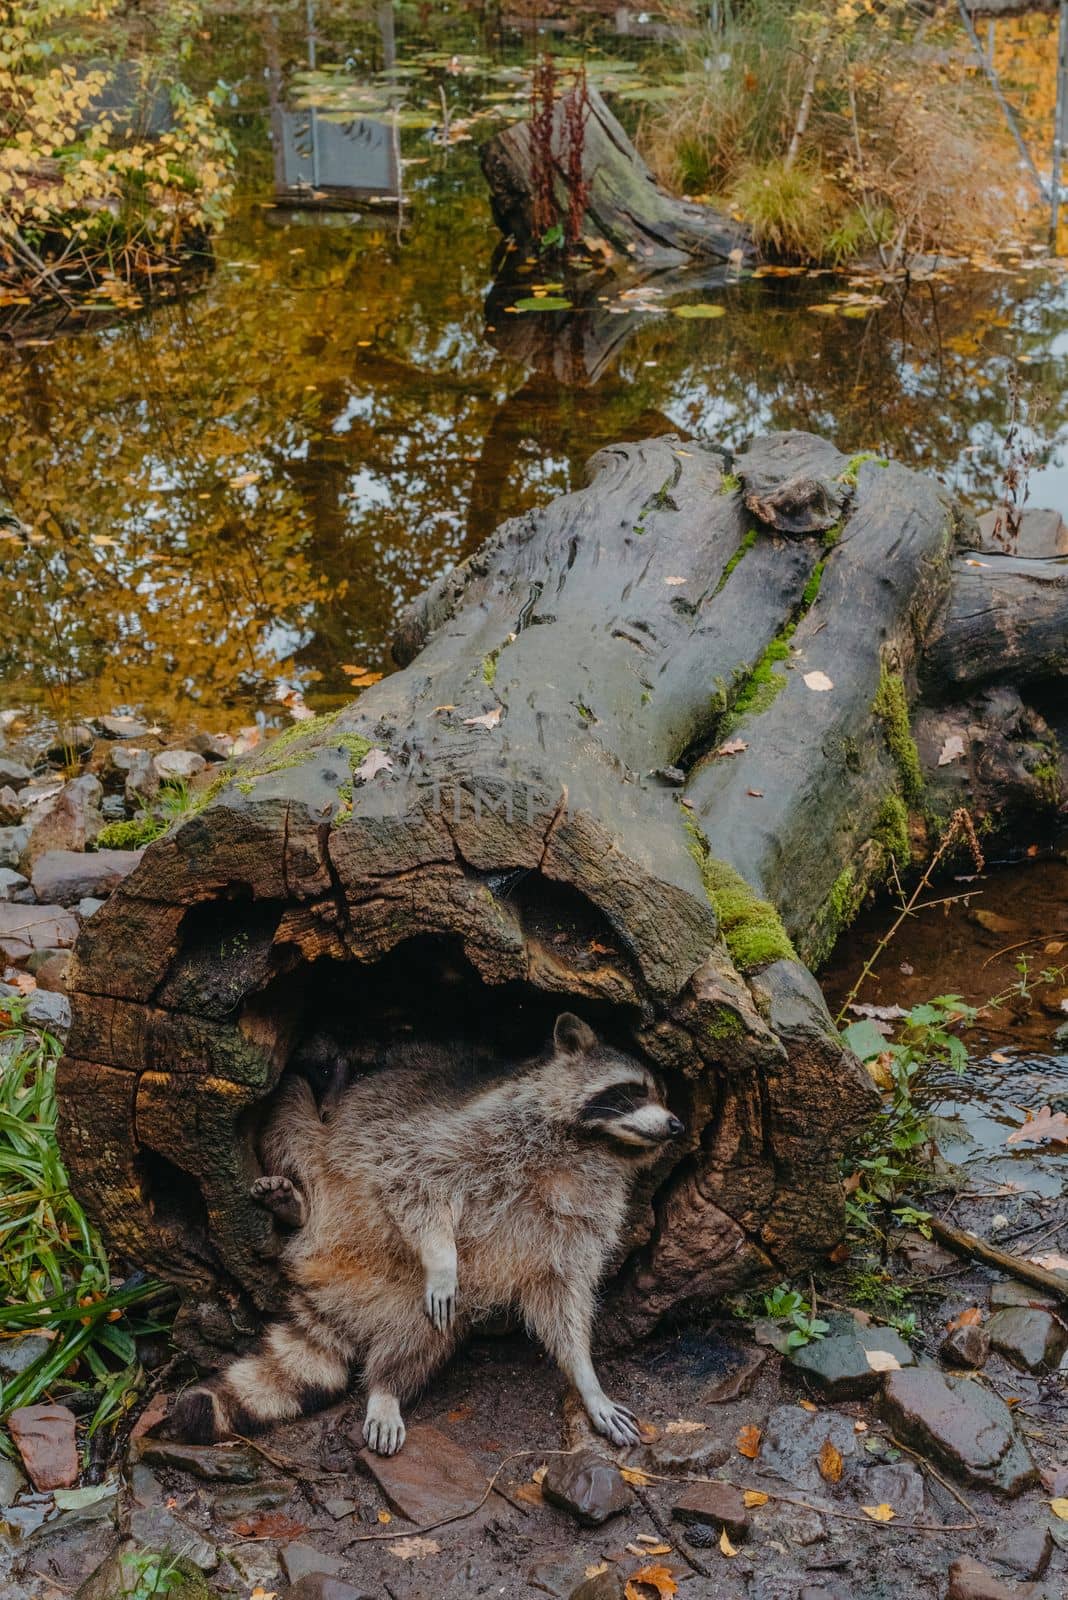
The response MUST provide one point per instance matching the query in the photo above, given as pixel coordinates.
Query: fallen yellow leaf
(635, 1477)
(1059, 1508)
(658, 1578)
(808, 1405)
(829, 1462)
(754, 1497)
(883, 1513)
(539, 1472)
(384, 1516)
(595, 1571)
(748, 1441)
(725, 1545)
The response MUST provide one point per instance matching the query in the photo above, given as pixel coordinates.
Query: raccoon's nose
(675, 1127)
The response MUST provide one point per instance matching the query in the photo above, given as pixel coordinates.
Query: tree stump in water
(649, 746)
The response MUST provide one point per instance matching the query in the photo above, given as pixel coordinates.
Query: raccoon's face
(621, 1101)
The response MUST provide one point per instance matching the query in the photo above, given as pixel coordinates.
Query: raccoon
(420, 1209)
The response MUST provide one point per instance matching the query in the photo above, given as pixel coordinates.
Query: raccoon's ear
(571, 1036)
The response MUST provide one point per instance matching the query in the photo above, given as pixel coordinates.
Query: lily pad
(701, 308)
(543, 302)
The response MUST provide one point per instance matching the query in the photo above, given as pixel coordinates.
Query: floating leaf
(747, 1442)
(725, 1545)
(829, 1461)
(244, 479)
(702, 309)
(754, 1497)
(883, 1513)
(543, 302)
(1045, 1124)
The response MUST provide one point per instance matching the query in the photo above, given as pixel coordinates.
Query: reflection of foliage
(78, 183)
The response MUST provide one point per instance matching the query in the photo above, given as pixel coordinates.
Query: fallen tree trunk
(649, 746)
(627, 215)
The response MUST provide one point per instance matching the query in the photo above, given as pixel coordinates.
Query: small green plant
(132, 834)
(789, 1306)
(730, 483)
(145, 1575)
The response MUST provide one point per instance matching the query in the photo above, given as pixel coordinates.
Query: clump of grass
(791, 210)
(54, 1272)
(132, 834)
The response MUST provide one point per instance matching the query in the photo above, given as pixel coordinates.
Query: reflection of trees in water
(352, 375)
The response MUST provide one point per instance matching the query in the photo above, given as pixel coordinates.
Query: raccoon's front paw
(440, 1300)
(282, 1199)
(617, 1423)
(383, 1426)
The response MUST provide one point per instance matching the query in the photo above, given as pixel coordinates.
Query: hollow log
(647, 749)
(627, 215)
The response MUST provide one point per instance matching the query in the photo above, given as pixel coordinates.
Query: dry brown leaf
(883, 1513)
(965, 1320)
(411, 1549)
(529, 1493)
(726, 1548)
(635, 1477)
(595, 1570)
(488, 719)
(882, 1361)
(1045, 1124)
(538, 1475)
(733, 747)
(1052, 1262)
(829, 1462)
(270, 1525)
(659, 1579)
(747, 1442)
(260, 1593)
(952, 750)
(808, 1405)
(754, 1497)
(1054, 947)
(684, 1425)
(374, 761)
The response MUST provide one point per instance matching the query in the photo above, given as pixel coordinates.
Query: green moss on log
(752, 928)
(730, 483)
(891, 706)
(724, 1024)
(892, 829)
(742, 551)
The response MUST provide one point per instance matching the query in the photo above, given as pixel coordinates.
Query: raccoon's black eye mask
(615, 1102)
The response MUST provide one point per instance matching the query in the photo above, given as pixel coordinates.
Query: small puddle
(974, 948)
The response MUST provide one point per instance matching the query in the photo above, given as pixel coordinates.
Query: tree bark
(647, 750)
(628, 216)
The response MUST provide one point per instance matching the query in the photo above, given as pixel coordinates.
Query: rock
(12, 1482)
(13, 775)
(793, 1439)
(588, 1485)
(300, 1560)
(969, 1580)
(63, 877)
(122, 727)
(246, 1500)
(10, 807)
(697, 1451)
(145, 1486)
(46, 1442)
(796, 1524)
(156, 1528)
(113, 808)
(713, 1505)
(966, 1347)
(607, 1585)
(142, 779)
(1010, 1293)
(319, 1586)
(922, 1256)
(838, 1364)
(21, 1352)
(70, 821)
(899, 1485)
(961, 1425)
(27, 928)
(1032, 1340)
(430, 1479)
(213, 746)
(70, 739)
(87, 908)
(44, 1008)
(53, 972)
(10, 882)
(216, 1463)
(182, 764)
(739, 1380)
(13, 842)
(1026, 1551)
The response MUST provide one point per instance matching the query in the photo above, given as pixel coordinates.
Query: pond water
(246, 483)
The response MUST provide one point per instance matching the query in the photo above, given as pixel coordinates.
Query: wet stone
(12, 1481)
(13, 774)
(27, 928)
(588, 1485)
(321, 1586)
(69, 821)
(1026, 1552)
(838, 1364)
(122, 727)
(11, 882)
(793, 1438)
(10, 807)
(899, 1485)
(970, 1580)
(430, 1479)
(606, 1586)
(961, 1425)
(113, 808)
(43, 1009)
(64, 877)
(739, 1380)
(69, 738)
(87, 908)
(13, 842)
(183, 764)
(697, 1451)
(713, 1505)
(156, 1528)
(46, 1442)
(302, 1560)
(1032, 1340)
(1010, 1293)
(20, 1352)
(216, 1464)
(966, 1347)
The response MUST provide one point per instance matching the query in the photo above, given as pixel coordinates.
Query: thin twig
(671, 1536)
(959, 1498)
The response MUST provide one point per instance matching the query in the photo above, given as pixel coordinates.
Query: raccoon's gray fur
(427, 1201)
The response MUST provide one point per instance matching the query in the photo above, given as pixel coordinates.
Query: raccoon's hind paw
(440, 1300)
(198, 1418)
(282, 1199)
(617, 1423)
